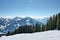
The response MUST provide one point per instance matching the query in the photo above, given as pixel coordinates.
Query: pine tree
(54, 22)
(49, 24)
(43, 27)
(58, 21)
(37, 27)
(34, 28)
(8, 33)
(30, 29)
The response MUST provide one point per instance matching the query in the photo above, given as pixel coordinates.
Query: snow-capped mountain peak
(13, 24)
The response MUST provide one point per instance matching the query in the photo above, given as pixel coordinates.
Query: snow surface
(48, 35)
(2, 33)
(2, 27)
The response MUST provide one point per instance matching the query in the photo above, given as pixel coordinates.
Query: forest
(53, 23)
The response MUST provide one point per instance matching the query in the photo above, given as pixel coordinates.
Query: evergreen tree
(43, 27)
(54, 22)
(37, 27)
(8, 34)
(30, 29)
(50, 24)
(58, 21)
(34, 28)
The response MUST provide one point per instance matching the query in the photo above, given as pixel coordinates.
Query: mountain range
(8, 24)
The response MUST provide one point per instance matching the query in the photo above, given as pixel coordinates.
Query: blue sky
(29, 7)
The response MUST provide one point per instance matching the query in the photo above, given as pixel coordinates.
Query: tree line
(53, 23)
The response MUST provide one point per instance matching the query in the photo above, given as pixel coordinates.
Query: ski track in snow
(48, 35)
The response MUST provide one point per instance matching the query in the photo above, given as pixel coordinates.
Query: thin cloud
(35, 17)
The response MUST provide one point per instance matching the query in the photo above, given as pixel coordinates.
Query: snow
(27, 22)
(2, 33)
(18, 19)
(18, 24)
(48, 35)
(2, 27)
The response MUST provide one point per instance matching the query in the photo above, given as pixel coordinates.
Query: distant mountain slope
(44, 20)
(12, 24)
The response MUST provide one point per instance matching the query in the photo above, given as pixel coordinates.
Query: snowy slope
(48, 35)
